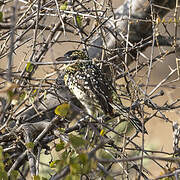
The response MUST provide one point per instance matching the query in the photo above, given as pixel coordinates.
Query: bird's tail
(137, 124)
(123, 112)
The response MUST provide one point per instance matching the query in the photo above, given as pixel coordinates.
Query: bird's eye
(74, 57)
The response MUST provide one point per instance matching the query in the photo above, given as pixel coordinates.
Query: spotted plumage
(88, 84)
(91, 87)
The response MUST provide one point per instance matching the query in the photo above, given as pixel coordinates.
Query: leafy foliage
(62, 110)
(29, 67)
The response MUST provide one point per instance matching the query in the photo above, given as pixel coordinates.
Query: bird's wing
(99, 87)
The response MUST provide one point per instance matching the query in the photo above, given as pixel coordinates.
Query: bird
(86, 80)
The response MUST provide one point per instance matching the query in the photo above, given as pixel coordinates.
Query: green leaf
(36, 177)
(79, 20)
(1, 16)
(102, 133)
(64, 6)
(62, 110)
(29, 67)
(30, 145)
(13, 175)
(1, 155)
(109, 177)
(83, 157)
(22, 96)
(34, 93)
(77, 141)
(60, 146)
(1, 159)
(93, 164)
(43, 178)
(75, 168)
(58, 165)
(1, 166)
(72, 177)
(10, 94)
(3, 175)
(61, 130)
(64, 155)
(53, 163)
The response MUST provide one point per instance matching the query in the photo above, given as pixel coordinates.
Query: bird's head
(76, 55)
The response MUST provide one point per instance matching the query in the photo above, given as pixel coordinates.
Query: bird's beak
(61, 59)
(66, 61)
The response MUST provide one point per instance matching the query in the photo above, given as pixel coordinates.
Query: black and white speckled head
(76, 54)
